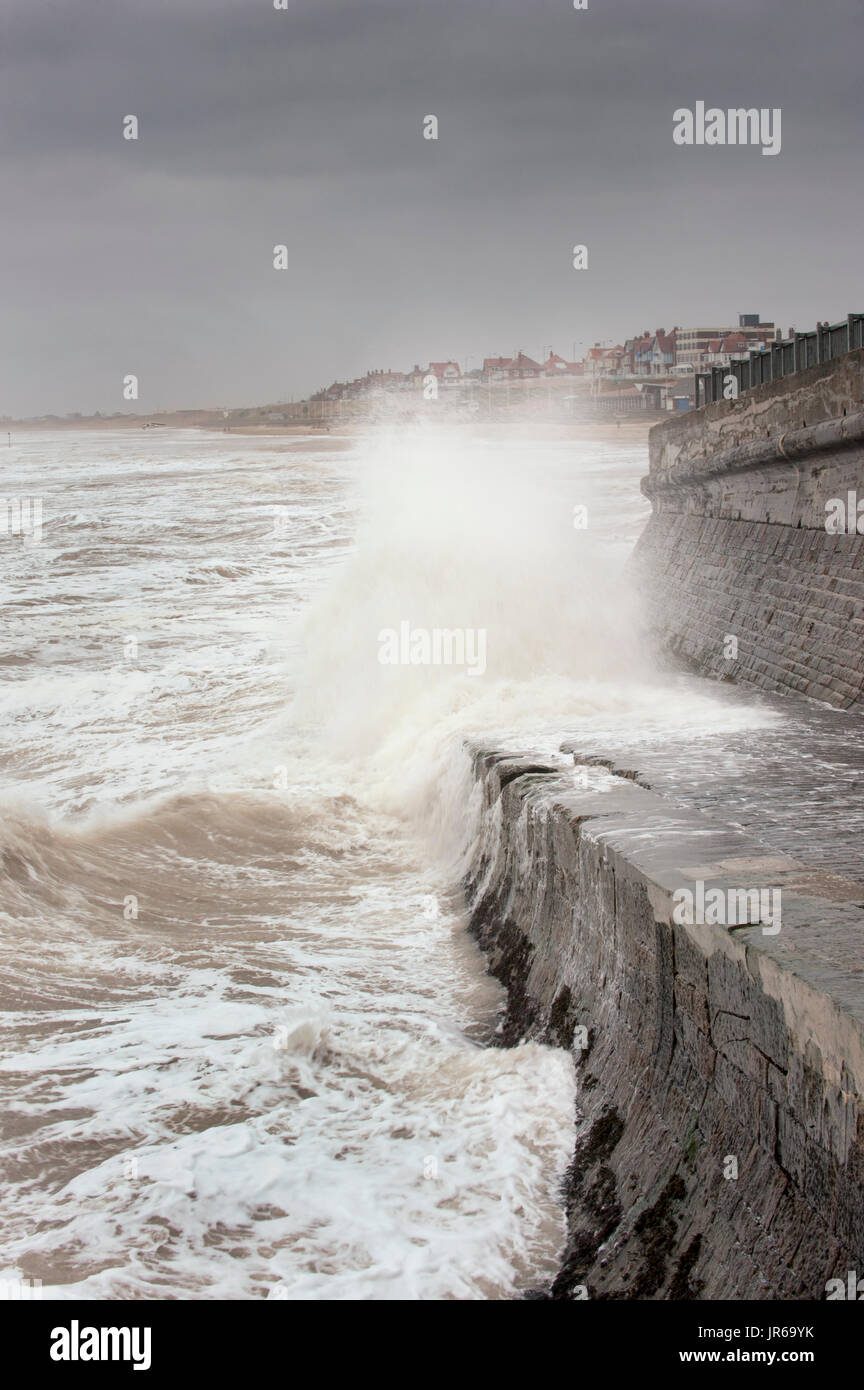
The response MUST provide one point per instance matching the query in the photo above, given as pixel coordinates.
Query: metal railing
(782, 358)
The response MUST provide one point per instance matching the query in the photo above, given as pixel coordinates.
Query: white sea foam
(243, 1024)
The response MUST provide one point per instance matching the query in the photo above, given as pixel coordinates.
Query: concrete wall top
(825, 392)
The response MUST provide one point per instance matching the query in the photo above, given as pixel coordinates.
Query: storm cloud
(304, 127)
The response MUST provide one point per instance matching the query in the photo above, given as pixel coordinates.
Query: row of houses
(519, 367)
(659, 355)
(682, 351)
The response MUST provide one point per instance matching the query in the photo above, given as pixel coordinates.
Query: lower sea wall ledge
(719, 1149)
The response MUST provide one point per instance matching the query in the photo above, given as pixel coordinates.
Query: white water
(272, 1081)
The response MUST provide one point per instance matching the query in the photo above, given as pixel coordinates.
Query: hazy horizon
(304, 127)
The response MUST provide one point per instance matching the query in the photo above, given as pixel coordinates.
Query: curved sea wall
(720, 1137)
(737, 545)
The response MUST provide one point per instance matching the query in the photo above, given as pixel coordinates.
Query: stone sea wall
(706, 1051)
(737, 545)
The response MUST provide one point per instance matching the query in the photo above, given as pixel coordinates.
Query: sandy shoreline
(632, 431)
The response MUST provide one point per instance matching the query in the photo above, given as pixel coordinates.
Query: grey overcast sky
(304, 126)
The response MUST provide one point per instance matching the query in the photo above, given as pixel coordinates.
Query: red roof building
(559, 366)
(518, 368)
(448, 373)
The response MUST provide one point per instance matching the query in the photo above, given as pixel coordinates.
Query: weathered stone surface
(737, 542)
(834, 390)
(707, 1049)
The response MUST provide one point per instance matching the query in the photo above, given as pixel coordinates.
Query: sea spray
(270, 1080)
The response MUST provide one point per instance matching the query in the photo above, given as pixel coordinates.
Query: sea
(247, 1042)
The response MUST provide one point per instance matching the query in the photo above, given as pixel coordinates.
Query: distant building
(593, 364)
(636, 355)
(679, 394)
(447, 373)
(378, 381)
(693, 345)
(600, 362)
(525, 367)
(658, 353)
(415, 377)
(559, 366)
(518, 368)
(337, 392)
(721, 351)
(621, 400)
(497, 368)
